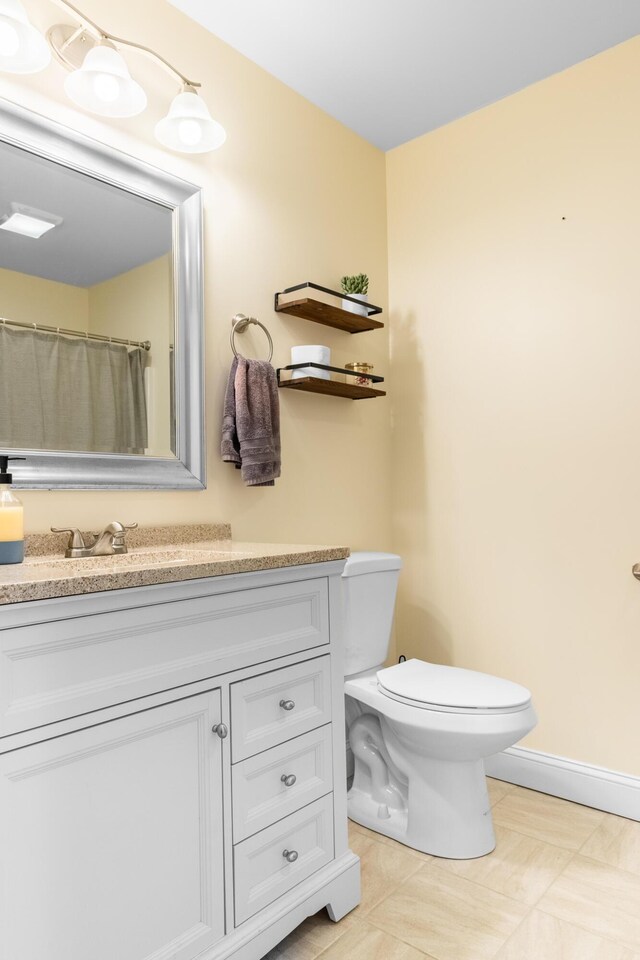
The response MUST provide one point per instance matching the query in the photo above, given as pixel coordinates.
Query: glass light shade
(104, 85)
(22, 48)
(188, 126)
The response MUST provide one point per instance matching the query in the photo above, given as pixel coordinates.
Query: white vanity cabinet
(172, 780)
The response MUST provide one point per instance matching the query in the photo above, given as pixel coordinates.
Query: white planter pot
(353, 307)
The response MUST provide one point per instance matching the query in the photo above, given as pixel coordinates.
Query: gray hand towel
(251, 422)
(230, 445)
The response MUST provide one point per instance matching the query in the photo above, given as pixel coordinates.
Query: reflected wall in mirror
(101, 314)
(101, 270)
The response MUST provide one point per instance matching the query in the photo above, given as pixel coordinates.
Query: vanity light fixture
(99, 80)
(23, 49)
(104, 85)
(29, 222)
(188, 127)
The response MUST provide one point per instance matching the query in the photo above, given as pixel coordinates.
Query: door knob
(221, 729)
(287, 704)
(288, 779)
(290, 855)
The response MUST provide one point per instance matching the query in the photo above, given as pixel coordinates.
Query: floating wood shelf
(328, 314)
(331, 388)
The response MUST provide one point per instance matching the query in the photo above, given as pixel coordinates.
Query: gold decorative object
(360, 366)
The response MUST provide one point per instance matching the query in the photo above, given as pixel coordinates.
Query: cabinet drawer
(65, 668)
(260, 797)
(261, 871)
(274, 707)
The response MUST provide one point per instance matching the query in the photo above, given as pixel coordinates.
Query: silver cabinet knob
(635, 570)
(288, 779)
(287, 704)
(221, 729)
(290, 855)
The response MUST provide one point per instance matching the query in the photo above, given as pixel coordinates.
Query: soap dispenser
(11, 517)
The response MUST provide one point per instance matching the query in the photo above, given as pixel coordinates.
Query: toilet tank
(369, 584)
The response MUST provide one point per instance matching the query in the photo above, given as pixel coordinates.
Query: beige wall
(515, 345)
(34, 300)
(292, 195)
(513, 244)
(138, 305)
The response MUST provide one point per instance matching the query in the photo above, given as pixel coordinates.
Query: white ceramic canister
(311, 353)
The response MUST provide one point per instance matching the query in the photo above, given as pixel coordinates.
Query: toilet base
(448, 813)
(362, 809)
(419, 773)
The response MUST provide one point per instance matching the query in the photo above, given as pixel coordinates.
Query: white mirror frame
(88, 471)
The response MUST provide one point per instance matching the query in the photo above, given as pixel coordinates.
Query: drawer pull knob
(287, 704)
(288, 779)
(290, 855)
(221, 729)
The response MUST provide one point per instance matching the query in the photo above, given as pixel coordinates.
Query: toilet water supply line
(367, 744)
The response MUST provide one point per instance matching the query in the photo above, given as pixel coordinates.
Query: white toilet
(419, 732)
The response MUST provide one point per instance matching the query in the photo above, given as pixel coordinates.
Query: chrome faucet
(109, 543)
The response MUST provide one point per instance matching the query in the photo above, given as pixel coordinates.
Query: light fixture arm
(154, 56)
(105, 35)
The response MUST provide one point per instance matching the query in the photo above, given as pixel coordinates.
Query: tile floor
(562, 884)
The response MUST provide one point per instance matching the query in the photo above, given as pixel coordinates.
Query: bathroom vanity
(172, 763)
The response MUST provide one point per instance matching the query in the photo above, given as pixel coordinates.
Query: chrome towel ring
(238, 325)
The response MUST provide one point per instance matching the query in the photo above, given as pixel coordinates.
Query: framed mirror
(101, 314)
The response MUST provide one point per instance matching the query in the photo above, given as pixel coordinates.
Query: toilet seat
(431, 686)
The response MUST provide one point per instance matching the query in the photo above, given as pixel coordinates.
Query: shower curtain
(61, 393)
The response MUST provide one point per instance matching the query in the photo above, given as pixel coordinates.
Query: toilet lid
(440, 686)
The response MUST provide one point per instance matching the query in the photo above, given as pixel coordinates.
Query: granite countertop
(156, 555)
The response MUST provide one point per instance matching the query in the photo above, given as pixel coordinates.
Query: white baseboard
(596, 787)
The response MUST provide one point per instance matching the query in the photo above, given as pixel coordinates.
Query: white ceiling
(394, 69)
(105, 231)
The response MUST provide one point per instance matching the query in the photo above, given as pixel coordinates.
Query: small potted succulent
(356, 286)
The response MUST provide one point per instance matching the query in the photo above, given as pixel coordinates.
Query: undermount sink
(141, 558)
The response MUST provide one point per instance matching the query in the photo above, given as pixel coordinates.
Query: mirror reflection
(86, 313)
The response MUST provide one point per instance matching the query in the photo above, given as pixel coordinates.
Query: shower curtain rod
(143, 344)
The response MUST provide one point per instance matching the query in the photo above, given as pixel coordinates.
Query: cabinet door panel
(111, 839)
